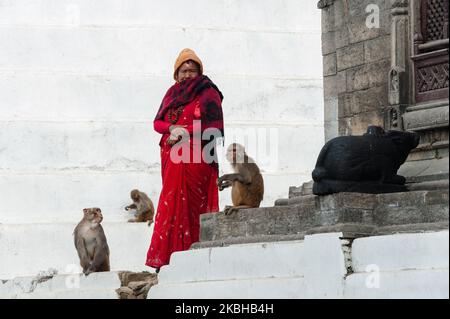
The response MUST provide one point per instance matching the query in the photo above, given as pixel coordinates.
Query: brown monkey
(143, 206)
(247, 183)
(90, 242)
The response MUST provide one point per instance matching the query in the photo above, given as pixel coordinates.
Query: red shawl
(182, 93)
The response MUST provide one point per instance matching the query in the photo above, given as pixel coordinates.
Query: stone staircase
(101, 285)
(64, 286)
(325, 265)
(261, 270)
(346, 245)
(328, 265)
(304, 247)
(354, 214)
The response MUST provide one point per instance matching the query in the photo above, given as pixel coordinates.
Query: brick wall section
(356, 62)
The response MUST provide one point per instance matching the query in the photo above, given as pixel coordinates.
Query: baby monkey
(143, 206)
(247, 185)
(90, 242)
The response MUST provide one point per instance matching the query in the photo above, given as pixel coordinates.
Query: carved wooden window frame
(430, 56)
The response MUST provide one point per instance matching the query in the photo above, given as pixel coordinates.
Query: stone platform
(319, 266)
(353, 214)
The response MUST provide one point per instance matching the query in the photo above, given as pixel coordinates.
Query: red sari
(188, 189)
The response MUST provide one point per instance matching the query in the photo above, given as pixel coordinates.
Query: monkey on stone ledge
(247, 185)
(90, 242)
(143, 206)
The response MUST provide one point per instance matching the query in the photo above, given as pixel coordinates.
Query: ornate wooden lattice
(431, 69)
(436, 19)
(433, 77)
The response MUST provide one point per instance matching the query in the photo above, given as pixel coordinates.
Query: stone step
(111, 187)
(355, 214)
(435, 169)
(296, 194)
(295, 200)
(408, 284)
(245, 261)
(265, 288)
(101, 284)
(72, 294)
(305, 189)
(320, 266)
(429, 185)
(270, 270)
(394, 252)
(62, 144)
(59, 196)
(52, 246)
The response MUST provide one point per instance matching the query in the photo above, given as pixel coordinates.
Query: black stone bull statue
(364, 164)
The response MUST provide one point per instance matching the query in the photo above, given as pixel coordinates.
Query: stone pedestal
(353, 214)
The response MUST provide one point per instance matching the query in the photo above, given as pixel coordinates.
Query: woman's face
(187, 70)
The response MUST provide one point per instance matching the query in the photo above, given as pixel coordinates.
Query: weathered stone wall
(356, 61)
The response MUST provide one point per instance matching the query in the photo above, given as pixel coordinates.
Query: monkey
(143, 205)
(247, 184)
(90, 242)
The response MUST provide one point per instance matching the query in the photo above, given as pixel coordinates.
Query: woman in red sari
(188, 187)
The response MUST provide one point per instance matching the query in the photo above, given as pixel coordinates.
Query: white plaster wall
(80, 83)
(27, 249)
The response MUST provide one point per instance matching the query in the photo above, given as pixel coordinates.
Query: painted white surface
(59, 197)
(81, 81)
(147, 51)
(402, 251)
(325, 266)
(400, 266)
(249, 261)
(74, 286)
(100, 146)
(258, 288)
(282, 16)
(73, 294)
(313, 268)
(405, 284)
(61, 96)
(28, 249)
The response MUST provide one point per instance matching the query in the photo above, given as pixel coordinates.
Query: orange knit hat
(185, 55)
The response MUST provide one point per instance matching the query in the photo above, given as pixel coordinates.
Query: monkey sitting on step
(247, 182)
(90, 242)
(143, 206)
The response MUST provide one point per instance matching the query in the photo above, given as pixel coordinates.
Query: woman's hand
(176, 133)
